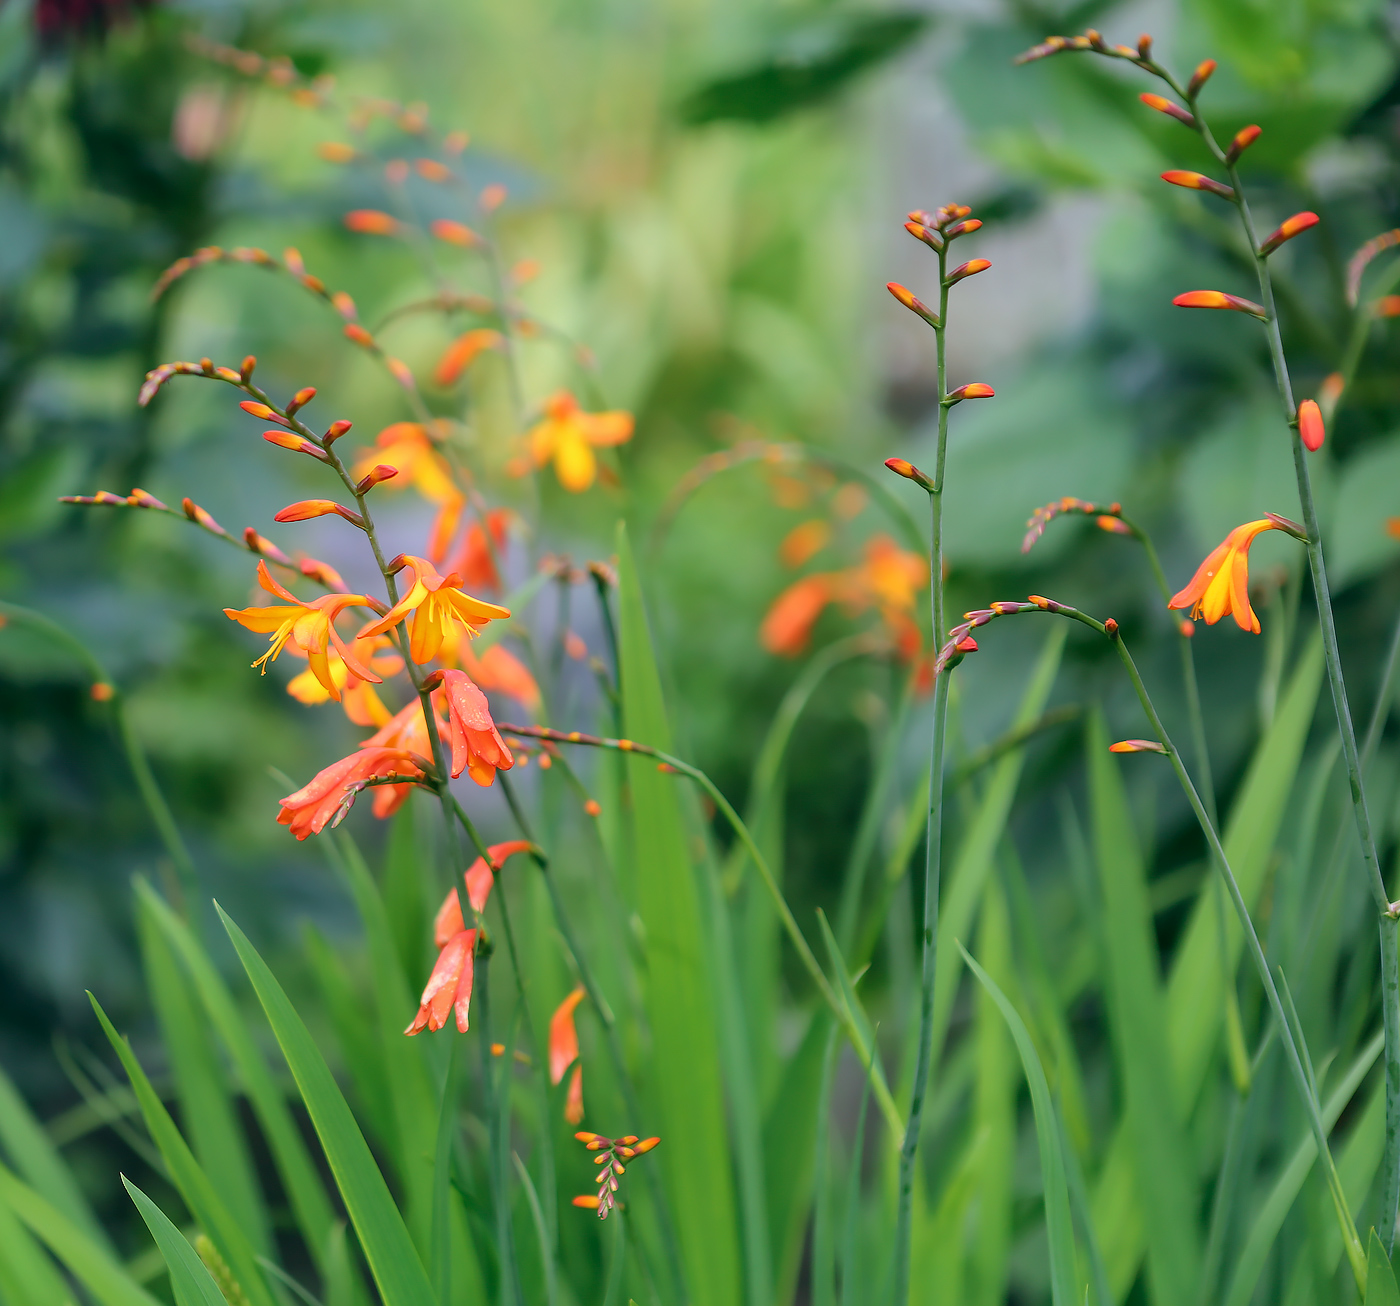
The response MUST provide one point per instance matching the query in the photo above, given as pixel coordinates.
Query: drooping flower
(563, 1053)
(407, 447)
(477, 747)
(480, 879)
(333, 789)
(1221, 582)
(433, 605)
(787, 627)
(449, 987)
(567, 437)
(310, 626)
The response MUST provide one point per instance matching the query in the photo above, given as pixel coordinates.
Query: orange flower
(563, 1053)
(499, 671)
(1221, 583)
(362, 705)
(310, 626)
(332, 792)
(407, 447)
(407, 732)
(787, 629)
(433, 605)
(476, 563)
(463, 352)
(480, 879)
(477, 748)
(804, 541)
(568, 436)
(449, 987)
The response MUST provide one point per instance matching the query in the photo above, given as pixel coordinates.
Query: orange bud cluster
(1219, 299)
(1288, 228)
(612, 1152)
(1196, 181)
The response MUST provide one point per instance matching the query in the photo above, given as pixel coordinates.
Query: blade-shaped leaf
(27, 1276)
(194, 1285)
(1063, 1273)
(392, 1257)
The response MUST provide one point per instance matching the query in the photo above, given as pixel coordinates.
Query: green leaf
(194, 1185)
(294, 1164)
(392, 1257)
(88, 1261)
(27, 1276)
(1164, 1179)
(816, 65)
(30, 1151)
(1063, 1272)
(685, 1057)
(193, 1284)
(207, 1110)
(1381, 1288)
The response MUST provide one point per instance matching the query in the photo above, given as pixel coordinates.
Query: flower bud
(913, 303)
(1171, 109)
(1144, 47)
(491, 197)
(306, 509)
(354, 331)
(1195, 181)
(1199, 78)
(336, 151)
(1289, 228)
(969, 269)
(903, 467)
(101, 692)
(323, 574)
(1110, 628)
(401, 372)
(200, 518)
(264, 547)
(294, 442)
(1244, 138)
(1136, 746)
(454, 233)
(1218, 299)
(139, 498)
(245, 369)
(344, 305)
(260, 411)
(1113, 525)
(920, 232)
(587, 1202)
(1187, 627)
(1310, 427)
(291, 259)
(964, 228)
(379, 472)
(301, 399)
(645, 1145)
(335, 430)
(371, 222)
(593, 807)
(432, 170)
(974, 390)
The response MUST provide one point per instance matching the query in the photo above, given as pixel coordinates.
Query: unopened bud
(926, 234)
(454, 233)
(261, 411)
(335, 430)
(1244, 138)
(1113, 525)
(974, 390)
(903, 467)
(1110, 628)
(371, 222)
(1288, 228)
(645, 1145)
(1218, 299)
(964, 228)
(354, 331)
(593, 807)
(1187, 627)
(246, 368)
(1144, 47)
(1171, 109)
(200, 518)
(379, 472)
(296, 443)
(1196, 181)
(1136, 746)
(1199, 78)
(301, 399)
(969, 269)
(306, 509)
(913, 303)
(264, 547)
(1311, 429)
(139, 498)
(206, 365)
(101, 692)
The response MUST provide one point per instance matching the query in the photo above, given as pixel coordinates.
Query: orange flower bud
(323, 574)
(201, 518)
(1199, 78)
(139, 498)
(920, 232)
(401, 372)
(260, 411)
(593, 807)
(371, 222)
(379, 472)
(913, 303)
(1218, 299)
(1113, 525)
(1288, 228)
(101, 692)
(1388, 306)
(903, 467)
(291, 258)
(354, 331)
(245, 369)
(264, 547)
(335, 430)
(969, 269)
(1171, 109)
(289, 440)
(491, 197)
(344, 305)
(1110, 628)
(1136, 746)
(1195, 181)
(432, 170)
(964, 228)
(1310, 427)
(975, 390)
(454, 233)
(299, 400)
(1144, 47)
(1244, 138)
(455, 142)
(306, 509)
(645, 1145)
(336, 151)
(1187, 627)
(587, 1201)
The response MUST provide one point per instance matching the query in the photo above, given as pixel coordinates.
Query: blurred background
(714, 192)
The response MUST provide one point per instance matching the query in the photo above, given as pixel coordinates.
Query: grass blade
(687, 1092)
(27, 1276)
(392, 1257)
(1063, 1289)
(824, 1215)
(1381, 1288)
(193, 1284)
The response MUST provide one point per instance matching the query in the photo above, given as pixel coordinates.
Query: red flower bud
(920, 232)
(903, 467)
(287, 440)
(379, 472)
(974, 390)
(301, 399)
(335, 430)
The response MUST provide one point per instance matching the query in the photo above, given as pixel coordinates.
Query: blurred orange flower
(463, 352)
(1221, 582)
(563, 1053)
(567, 436)
(432, 606)
(481, 546)
(804, 541)
(407, 447)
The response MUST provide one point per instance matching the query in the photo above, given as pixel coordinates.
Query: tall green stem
(909, 1147)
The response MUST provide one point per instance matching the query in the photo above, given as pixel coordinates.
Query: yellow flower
(432, 606)
(1221, 582)
(568, 436)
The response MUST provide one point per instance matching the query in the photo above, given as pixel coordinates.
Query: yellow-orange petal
(371, 222)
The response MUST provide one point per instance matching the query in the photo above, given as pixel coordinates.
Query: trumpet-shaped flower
(449, 987)
(477, 748)
(432, 606)
(563, 1053)
(1221, 582)
(332, 792)
(407, 447)
(480, 879)
(362, 705)
(567, 437)
(310, 626)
